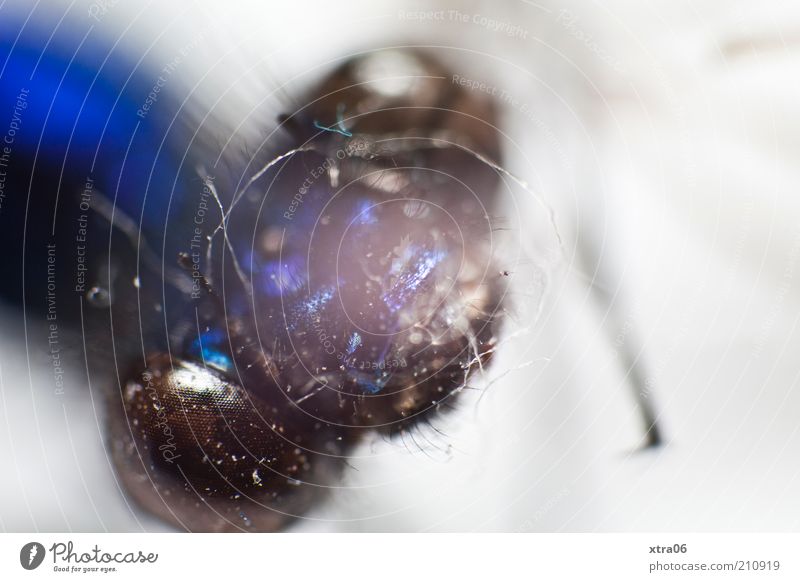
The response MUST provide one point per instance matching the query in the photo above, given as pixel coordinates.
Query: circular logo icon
(31, 555)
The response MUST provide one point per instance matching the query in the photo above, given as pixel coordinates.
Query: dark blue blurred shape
(73, 129)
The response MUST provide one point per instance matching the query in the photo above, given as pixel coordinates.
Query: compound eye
(201, 453)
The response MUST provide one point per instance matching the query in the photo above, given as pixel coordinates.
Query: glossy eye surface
(201, 453)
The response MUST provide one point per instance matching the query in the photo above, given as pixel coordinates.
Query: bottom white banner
(387, 557)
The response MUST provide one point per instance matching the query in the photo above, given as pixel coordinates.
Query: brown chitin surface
(367, 292)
